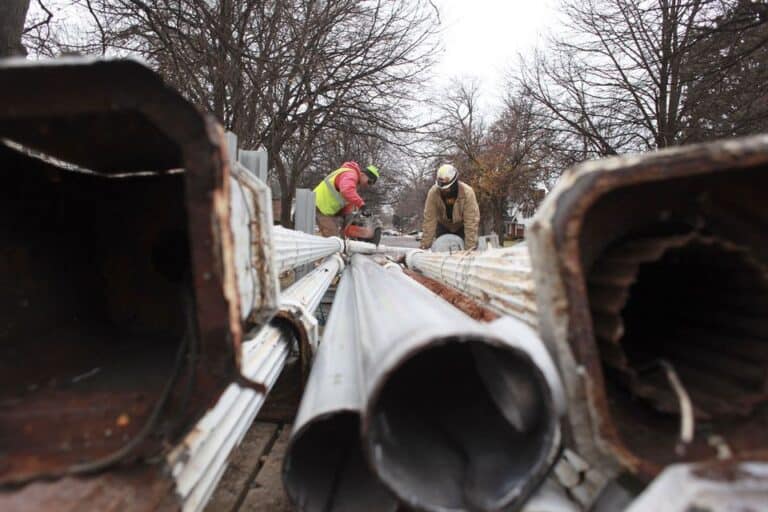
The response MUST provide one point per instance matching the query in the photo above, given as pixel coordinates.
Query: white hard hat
(446, 176)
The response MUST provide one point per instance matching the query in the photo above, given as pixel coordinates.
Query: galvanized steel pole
(357, 247)
(199, 461)
(294, 248)
(310, 289)
(458, 415)
(251, 220)
(323, 467)
(501, 278)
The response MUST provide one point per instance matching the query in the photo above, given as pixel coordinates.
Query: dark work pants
(442, 230)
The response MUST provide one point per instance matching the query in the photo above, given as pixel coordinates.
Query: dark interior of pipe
(700, 307)
(325, 470)
(444, 439)
(95, 300)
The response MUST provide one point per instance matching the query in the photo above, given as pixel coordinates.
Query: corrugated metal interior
(678, 275)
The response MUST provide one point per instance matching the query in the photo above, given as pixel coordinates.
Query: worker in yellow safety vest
(336, 196)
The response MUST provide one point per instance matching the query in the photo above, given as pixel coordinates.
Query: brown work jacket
(466, 213)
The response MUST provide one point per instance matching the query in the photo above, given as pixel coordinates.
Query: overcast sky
(482, 38)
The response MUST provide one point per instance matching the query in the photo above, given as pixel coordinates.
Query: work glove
(364, 212)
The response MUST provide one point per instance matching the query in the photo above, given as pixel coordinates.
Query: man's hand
(364, 212)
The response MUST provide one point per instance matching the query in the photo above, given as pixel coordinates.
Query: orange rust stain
(123, 420)
(462, 302)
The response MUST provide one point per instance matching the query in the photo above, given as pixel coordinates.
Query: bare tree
(506, 160)
(519, 155)
(727, 75)
(59, 27)
(333, 147)
(460, 127)
(616, 80)
(411, 194)
(13, 13)
(284, 73)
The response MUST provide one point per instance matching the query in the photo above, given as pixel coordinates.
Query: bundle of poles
(624, 336)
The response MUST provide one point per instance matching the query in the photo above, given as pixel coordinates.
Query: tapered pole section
(310, 289)
(323, 468)
(458, 415)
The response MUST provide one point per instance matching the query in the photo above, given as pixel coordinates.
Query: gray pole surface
(323, 468)
(458, 415)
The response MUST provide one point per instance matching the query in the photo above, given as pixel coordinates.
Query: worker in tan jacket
(451, 207)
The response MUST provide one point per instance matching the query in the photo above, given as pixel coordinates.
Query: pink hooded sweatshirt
(346, 183)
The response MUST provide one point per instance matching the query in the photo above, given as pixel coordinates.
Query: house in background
(515, 221)
(514, 224)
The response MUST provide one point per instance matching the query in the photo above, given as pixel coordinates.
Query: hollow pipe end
(414, 383)
(340, 242)
(409, 257)
(518, 334)
(392, 267)
(340, 260)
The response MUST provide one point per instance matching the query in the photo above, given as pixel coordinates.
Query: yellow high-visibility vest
(327, 199)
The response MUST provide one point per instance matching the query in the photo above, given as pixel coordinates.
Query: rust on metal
(501, 279)
(688, 227)
(289, 323)
(464, 303)
(724, 471)
(124, 489)
(221, 212)
(120, 315)
(692, 328)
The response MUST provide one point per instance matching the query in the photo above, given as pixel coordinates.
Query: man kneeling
(451, 207)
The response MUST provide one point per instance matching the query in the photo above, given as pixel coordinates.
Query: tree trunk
(498, 223)
(286, 192)
(220, 68)
(13, 13)
(286, 204)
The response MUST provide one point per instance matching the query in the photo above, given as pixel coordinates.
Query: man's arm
(346, 182)
(471, 221)
(429, 224)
